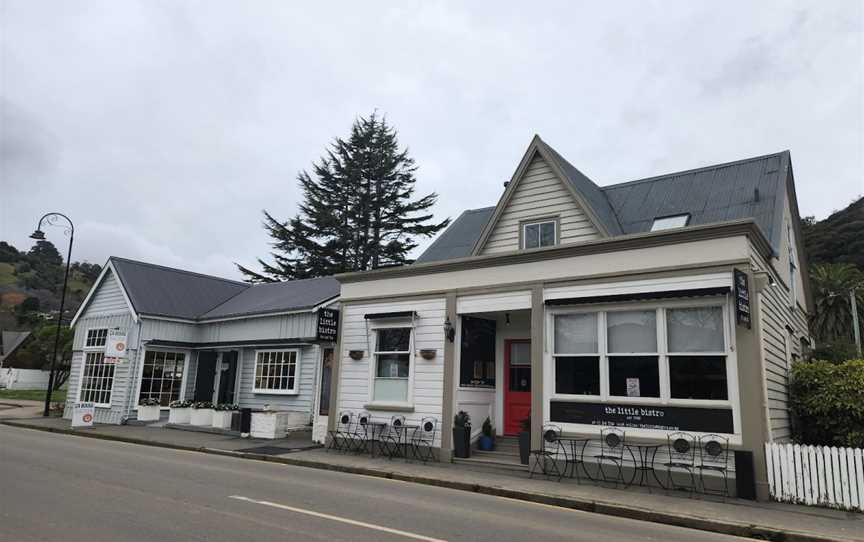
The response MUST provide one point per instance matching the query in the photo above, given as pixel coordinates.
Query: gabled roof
(753, 188)
(276, 297)
(10, 341)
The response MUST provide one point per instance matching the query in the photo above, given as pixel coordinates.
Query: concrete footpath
(765, 521)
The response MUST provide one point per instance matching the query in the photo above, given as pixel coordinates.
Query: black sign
(666, 418)
(328, 325)
(742, 298)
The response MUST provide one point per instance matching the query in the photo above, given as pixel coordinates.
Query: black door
(326, 376)
(228, 377)
(205, 376)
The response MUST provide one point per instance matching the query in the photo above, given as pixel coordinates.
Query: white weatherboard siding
(302, 402)
(290, 326)
(108, 298)
(540, 194)
(355, 377)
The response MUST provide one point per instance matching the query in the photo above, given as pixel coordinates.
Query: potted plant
(202, 414)
(487, 438)
(462, 434)
(525, 439)
(180, 412)
(149, 410)
(222, 414)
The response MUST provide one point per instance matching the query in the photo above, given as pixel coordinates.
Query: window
(697, 353)
(276, 372)
(97, 376)
(539, 234)
(669, 222)
(520, 366)
(634, 369)
(162, 376)
(577, 361)
(96, 338)
(392, 364)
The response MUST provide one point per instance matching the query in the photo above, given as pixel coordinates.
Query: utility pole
(855, 323)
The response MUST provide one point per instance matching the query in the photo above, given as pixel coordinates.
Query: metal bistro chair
(361, 438)
(547, 456)
(423, 439)
(681, 449)
(612, 450)
(341, 437)
(391, 440)
(714, 457)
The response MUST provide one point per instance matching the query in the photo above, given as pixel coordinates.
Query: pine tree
(358, 210)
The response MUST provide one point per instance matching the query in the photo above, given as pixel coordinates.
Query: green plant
(525, 424)
(202, 404)
(226, 406)
(150, 401)
(487, 427)
(462, 419)
(180, 404)
(827, 402)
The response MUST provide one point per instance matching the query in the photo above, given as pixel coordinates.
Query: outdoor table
(403, 432)
(574, 443)
(647, 453)
(373, 428)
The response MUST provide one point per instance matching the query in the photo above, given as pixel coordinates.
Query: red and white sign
(82, 414)
(115, 345)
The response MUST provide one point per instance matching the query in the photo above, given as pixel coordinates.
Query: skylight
(669, 222)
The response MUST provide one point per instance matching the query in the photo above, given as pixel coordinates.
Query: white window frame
(401, 323)
(732, 402)
(100, 349)
(539, 223)
(267, 391)
(670, 222)
(188, 358)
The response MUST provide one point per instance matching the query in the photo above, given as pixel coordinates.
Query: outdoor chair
(362, 437)
(547, 457)
(423, 439)
(341, 438)
(714, 457)
(681, 451)
(392, 439)
(611, 451)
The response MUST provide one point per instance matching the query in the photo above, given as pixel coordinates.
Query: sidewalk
(767, 521)
(20, 408)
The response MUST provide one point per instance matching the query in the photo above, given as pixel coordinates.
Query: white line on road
(340, 520)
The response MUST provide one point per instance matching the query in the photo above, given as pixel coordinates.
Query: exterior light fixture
(449, 331)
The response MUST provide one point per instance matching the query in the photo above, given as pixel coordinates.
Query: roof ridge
(290, 281)
(694, 170)
(176, 270)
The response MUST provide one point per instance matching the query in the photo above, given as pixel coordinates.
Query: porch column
(537, 341)
(449, 380)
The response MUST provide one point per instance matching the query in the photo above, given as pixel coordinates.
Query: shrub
(827, 402)
(462, 419)
(487, 427)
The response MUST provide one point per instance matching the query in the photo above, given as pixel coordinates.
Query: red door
(517, 384)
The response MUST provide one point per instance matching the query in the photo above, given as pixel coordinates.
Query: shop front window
(577, 358)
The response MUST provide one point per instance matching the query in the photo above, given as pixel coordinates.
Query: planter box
(149, 413)
(202, 417)
(276, 424)
(179, 415)
(222, 418)
(462, 441)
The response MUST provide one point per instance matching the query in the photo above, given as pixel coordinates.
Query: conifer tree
(358, 212)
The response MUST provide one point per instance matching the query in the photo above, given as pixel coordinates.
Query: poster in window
(633, 387)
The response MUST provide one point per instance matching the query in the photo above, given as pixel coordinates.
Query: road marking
(340, 520)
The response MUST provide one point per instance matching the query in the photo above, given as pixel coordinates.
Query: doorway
(517, 384)
(205, 377)
(228, 378)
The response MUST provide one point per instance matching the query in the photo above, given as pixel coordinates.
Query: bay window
(392, 364)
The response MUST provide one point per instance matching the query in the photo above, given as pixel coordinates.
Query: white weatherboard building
(670, 303)
(201, 338)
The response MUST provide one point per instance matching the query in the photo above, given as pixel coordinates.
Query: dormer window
(669, 222)
(539, 234)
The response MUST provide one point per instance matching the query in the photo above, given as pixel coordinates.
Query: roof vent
(755, 194)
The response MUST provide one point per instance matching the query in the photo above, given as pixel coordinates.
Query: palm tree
(832, 316)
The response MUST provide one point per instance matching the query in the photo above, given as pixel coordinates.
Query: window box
(180, 415)
(222, 419)
(202, 417)
(149, 413)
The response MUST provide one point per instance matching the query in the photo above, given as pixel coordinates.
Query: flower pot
(202, 417)
(487, 444)
(462, 441)
(179, 415)
(524, 446)
(222, 419)
(148, 413)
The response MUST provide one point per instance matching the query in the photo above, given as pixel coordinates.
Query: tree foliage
(359, 210)
(830, 284)
(827, 401)
(837, 239)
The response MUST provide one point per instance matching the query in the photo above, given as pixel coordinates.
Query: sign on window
(115, 345)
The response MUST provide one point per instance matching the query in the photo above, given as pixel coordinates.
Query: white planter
(202, 417)
(222, 418)
(179, 415)
(269, 425)
(148, 413)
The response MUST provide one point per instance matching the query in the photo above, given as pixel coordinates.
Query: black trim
(381, 315)
(256, 342)
(697, 292)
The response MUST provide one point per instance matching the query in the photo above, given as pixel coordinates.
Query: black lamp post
(52, 219)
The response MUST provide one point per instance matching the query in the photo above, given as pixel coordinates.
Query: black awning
(382, 315)
(641, 296)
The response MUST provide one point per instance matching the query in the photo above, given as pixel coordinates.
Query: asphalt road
(59, 487)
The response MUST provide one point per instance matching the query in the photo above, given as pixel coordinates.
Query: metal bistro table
(577, 458)
(646, 453)
(404, 432)
(373, 434)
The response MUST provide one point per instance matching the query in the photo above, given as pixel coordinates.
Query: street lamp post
(855, 323)
(52, 219)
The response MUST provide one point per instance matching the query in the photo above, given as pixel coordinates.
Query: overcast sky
(164, 128)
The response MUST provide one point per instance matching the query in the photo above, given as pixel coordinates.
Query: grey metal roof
(164, 291)
(277, 297)
(711, 194)
(459, 238)
(10, 340)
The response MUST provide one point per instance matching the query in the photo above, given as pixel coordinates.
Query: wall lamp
(449, 330)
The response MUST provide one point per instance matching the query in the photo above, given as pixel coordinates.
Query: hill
(837, 239)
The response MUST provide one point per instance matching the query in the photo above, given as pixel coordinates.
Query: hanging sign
(328, 325)
(742, 298)
(82, 414)
(115, 345)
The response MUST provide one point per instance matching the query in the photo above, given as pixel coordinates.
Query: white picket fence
(816, 475)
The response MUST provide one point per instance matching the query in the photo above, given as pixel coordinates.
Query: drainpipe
(133, 376)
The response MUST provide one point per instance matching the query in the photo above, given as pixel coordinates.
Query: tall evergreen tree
(358, 212)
